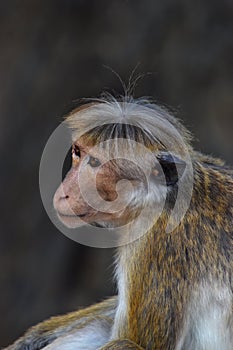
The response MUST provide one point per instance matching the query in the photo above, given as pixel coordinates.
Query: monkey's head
(125, 155)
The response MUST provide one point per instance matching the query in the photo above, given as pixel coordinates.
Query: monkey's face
(90, 191)
(110, 192)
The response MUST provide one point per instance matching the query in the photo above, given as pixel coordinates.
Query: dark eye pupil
(76, 151)
(94, 162)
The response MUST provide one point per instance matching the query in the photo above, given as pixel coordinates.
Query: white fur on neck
(121, 311)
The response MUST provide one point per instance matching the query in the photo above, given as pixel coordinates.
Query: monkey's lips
(72, 220)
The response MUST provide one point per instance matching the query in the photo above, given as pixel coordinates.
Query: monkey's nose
(61, 201)
(60, 194)
(64, 197)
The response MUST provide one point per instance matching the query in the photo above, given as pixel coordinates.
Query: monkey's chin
(71, 221)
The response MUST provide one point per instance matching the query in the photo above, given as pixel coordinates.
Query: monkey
(175, 286)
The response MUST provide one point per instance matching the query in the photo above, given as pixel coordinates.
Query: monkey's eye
(76, 151)
(94, 162)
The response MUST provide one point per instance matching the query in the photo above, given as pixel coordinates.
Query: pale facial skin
(72, 210)
(100, 179)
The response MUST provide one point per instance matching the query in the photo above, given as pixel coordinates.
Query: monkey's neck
(193, 243)
(157, 273)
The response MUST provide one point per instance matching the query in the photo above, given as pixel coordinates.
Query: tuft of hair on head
(140, 119)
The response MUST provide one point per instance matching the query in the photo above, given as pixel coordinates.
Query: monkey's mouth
(72, 220)
(71, 215)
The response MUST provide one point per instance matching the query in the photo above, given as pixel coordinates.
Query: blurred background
(54, 52)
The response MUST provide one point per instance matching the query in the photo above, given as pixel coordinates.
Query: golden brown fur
(175, 288)
(172, 265)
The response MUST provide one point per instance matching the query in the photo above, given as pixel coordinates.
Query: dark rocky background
(53, 52)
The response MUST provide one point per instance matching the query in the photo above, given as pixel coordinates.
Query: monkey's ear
(171, 166)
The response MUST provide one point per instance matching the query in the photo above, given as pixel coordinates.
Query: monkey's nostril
(64, 197)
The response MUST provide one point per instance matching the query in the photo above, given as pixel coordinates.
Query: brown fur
(173, 264)
(162, 269)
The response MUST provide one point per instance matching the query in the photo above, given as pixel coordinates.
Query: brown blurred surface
(53, 52)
